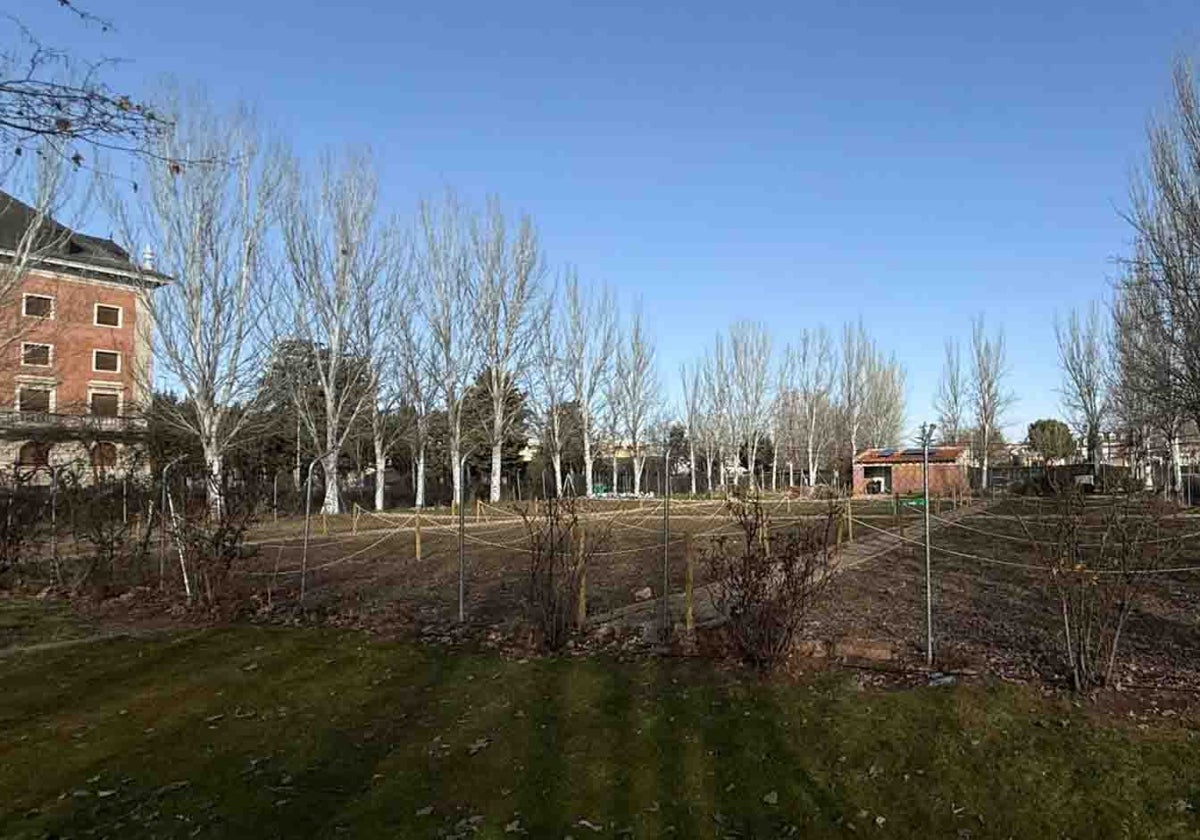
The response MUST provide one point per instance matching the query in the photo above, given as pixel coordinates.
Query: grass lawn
(252, 732)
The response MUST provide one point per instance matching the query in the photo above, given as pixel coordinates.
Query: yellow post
(417, 536)
(689, 595)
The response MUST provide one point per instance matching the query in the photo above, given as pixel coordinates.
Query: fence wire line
(1025, 540)
(1032, 566)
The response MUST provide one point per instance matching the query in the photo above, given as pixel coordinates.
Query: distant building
(888, 471)
(75, 358)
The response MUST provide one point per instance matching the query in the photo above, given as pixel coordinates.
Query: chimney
(148, 258)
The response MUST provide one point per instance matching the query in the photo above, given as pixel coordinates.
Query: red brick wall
(74, 336)
(906, 479)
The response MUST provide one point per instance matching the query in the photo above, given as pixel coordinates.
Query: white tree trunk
(587, 455)
(638, 461)
(419, 480)
(380, 470)
(494, 490)
(614, 471)
(329, 465)
(456, 472)
(214, 463)
(983, 476)
(708, 470)
(556, 460)
(692, 468)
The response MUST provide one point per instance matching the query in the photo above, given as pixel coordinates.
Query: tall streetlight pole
(926, 437)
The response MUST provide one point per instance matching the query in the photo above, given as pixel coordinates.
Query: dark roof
(939, 454)
(56, 241)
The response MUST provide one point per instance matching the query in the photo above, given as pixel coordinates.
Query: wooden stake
(581, 607)
(689, 595)
(354, 521)
(478, 504)
(849, 519)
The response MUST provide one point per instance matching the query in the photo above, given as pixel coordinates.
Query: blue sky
(798, 163)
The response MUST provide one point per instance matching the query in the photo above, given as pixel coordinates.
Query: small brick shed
(888, 471)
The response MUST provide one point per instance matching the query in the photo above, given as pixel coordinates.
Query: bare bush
(562, 544)
(101, 527)
(1098, 559)
(209, 545)
(764, 581)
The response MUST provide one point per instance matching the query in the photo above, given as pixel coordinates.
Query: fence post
(354, 518)
(850, 519)
(689, 595)
(580, 548)
(417, 536)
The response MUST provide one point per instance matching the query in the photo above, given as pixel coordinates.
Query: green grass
(25, 622)
(254, 732)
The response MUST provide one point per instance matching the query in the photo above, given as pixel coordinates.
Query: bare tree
(857, 350)
(504, 300)
(334, 255)
(690, 378)
(36, 236)
(445, 265)
(950, 400)
(207, 228)
(382, 353)
(989, 366)
(750, 364)
(637, 381)
(590, 344)
(1082, 357)
(415, 368)
(816, 371)
(884, 405)
(53, 102)
(550, 384)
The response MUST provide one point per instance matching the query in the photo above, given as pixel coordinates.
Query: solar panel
(913, 451)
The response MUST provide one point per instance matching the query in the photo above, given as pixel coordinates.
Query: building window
(104, 455)
(104, 404)
(34, 454)
(34, 400)
(36, 355)
(107, 316)
(106, 361)
(37, 306)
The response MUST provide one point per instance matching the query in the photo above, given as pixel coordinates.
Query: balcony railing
(72, 422)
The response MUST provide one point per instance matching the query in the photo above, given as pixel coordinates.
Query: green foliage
(1051, 439)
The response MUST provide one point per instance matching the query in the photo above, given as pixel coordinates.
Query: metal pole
(162, 525)
(462, 524)
(666, 613)
(926, 434)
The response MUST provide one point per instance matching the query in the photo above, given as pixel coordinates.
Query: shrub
(561, 547)
(1097, 557)
(764, 581)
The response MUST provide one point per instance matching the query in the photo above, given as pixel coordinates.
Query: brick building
(75, 351)
(888, 471)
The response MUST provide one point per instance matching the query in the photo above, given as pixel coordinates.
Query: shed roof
(937, 454)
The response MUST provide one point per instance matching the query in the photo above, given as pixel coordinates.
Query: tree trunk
(638, 462)
(708, 465)
(556, 460)
(692, 469)
(419, 480)
(587, 454)
(1176, 469)
(614, 470)
(380, 471)
(215, 490)
(329, 465)
(494, 490)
